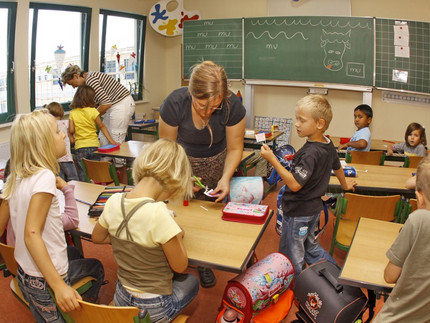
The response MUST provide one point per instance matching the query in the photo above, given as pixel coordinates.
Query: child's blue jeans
(36, 293)
(298, 241)
(165, 307)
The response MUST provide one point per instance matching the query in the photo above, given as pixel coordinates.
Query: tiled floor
(203, 309)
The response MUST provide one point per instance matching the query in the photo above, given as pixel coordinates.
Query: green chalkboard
(407, 69)
(218, 40)
(316, 49)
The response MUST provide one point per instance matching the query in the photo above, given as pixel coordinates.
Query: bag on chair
(322, 299)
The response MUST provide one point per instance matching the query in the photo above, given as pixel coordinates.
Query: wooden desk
(250, 142)
(366, 260)
(375, 144)
(378, 179)
(128, 150)
(145, 128)
(209, 240)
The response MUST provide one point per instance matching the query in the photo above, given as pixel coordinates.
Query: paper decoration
(118, 56)
(400, 76)
(59, 55)
(402, 51)
(48, 69)
(170, 23)
(401, 40)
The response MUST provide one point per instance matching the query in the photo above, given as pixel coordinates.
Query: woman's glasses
(205, 106)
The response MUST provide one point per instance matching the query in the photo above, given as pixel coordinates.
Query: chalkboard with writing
(219, 40)
(316, 49)
(402, 55)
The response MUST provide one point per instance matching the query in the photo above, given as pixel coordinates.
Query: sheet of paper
(260, 137)
(400, 76)
(402, 51)
(401, 35)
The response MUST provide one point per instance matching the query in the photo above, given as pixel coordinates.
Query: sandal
(207, 277)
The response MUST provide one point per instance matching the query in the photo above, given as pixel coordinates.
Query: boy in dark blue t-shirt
(307, 182)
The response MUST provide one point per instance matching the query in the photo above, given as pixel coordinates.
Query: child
(408, 258)
(307, 182)
(363, 115)
(415, 142)
(32, 205)
(147, 242)
(83, 120)
(67, 166)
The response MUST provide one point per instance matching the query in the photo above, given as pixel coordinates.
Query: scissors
(198, 183)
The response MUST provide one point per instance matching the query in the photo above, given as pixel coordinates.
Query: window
(7, 57)
(59, 37)
(122, 41)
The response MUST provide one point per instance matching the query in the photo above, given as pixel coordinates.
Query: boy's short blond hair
(423, 177)
(167, 162)
(318, 107)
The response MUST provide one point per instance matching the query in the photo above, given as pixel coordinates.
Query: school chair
(7, 252)
(412, 161)
(351, 207)
(100, 172)
(95, 313)
(376, 157)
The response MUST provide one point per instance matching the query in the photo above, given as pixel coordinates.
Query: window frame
(10, 66)
(140, 43)
(85, 42)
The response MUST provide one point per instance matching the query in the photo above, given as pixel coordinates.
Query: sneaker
(207, 277)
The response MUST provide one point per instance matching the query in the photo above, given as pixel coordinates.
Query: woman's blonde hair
(167, 162)
(68, 73)
(31, 147)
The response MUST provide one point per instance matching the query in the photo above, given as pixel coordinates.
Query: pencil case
(107, 148)
(245, 212)
(97, 208)
(144, 121)
(349, 171)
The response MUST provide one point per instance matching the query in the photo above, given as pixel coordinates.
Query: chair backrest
(374, 207)
(95, 313)
(412, 161)
(413, 203)
(7, 252)
(100, 172)
(376, 157)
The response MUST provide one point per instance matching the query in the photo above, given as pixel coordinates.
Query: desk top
(143, 125)
(209, 240)
(274, 135)
(366, 260)
(379, 178)
(375, 144)
(128, 150)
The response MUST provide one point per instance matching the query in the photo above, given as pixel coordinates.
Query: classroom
(162, 73)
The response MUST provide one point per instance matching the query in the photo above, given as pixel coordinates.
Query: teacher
(113, 99)
(208, 120)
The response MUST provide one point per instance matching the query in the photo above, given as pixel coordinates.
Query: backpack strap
(126, 217)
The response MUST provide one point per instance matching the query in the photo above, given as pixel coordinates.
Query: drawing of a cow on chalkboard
(334, 44)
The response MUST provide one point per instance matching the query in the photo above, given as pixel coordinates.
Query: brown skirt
(210, 169)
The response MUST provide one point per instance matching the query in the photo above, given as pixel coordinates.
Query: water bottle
(230, 316)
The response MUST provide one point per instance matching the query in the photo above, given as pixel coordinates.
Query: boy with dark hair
(408, 262)
(363, 115)
(307, 182)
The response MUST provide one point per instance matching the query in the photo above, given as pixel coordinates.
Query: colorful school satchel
(256, 292)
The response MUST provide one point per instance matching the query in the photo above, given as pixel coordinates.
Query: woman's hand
(195, 181)
(223, 188)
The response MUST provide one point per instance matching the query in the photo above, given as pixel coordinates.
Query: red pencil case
(245, 212)
(107, 148)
